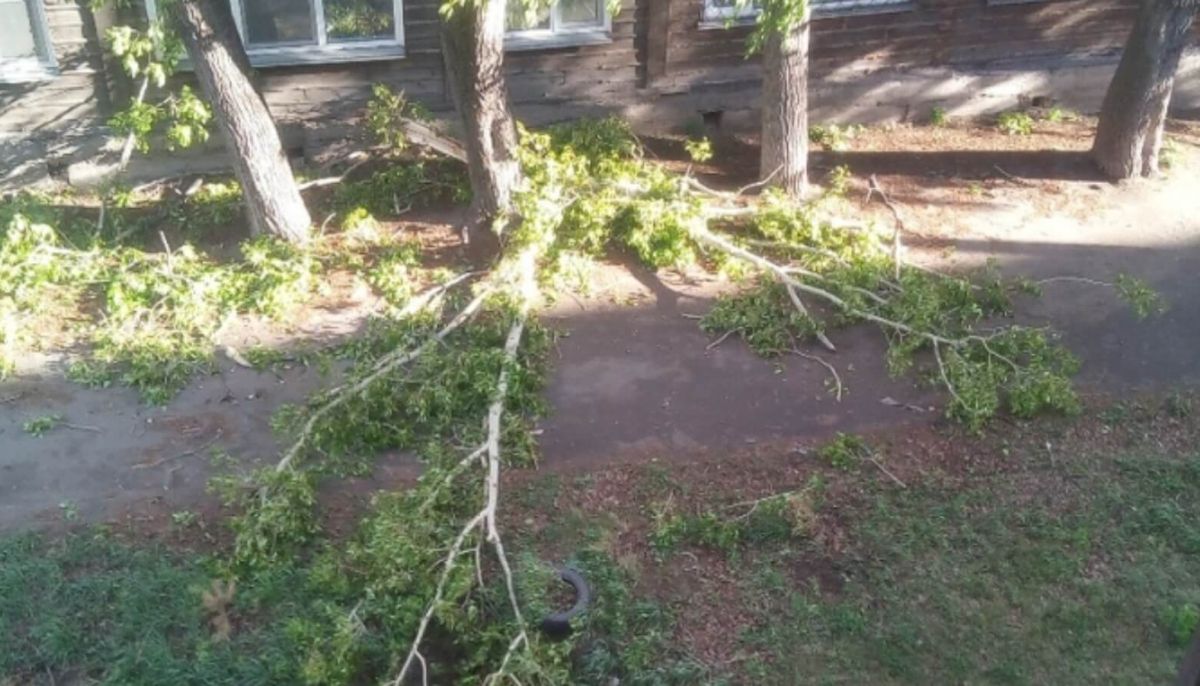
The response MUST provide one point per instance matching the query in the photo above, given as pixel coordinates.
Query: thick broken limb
(127, 148)
(362, 158)
(795, 298)
(439, 591)
(484, 520)
(416, 132)
(425, 135)
(426, 299)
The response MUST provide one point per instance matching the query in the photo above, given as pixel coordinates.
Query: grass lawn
(1063, 552)
(1092, 578)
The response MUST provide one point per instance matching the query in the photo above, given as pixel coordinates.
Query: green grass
(110, 614)
(1078, 571)
(1092, 578)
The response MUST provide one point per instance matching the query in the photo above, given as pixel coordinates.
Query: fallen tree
(457, 380)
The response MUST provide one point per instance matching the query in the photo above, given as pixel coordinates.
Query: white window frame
(561, 36)
(29, 69)
(720, 17)
(323, 51)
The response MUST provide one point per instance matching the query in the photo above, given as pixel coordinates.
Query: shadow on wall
(863, 93)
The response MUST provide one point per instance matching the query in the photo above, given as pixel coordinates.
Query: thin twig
(873, 188)
(1015, 179)
(439, 591)
(167, 247)
(883, 469)
(385, 365)
(1075, 279)
(721, 340)
(331, 180)
(82, 427)
(937, 355)
(187, 453)
(759, 184)
(832, 371)
(325, 224)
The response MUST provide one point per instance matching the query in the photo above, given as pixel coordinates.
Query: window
(718, 12)
(25, 53)
(277, 32)
(566, 22)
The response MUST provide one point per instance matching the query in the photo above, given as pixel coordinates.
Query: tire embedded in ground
(558, 624)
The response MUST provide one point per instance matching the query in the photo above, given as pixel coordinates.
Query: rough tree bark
(272, 198)
(784, 157)
(1129, 134)
(473, 49)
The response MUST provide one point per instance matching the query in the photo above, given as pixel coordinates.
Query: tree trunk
(1129, 134)
(784, 157)
(473, 46)
(272, 198)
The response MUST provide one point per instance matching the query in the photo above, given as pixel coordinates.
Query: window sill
(329, 54)
(26, 72)
(546, 40)
(819, 13)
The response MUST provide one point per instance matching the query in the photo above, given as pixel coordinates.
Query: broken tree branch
(873, 188)
(875, 461)
(417, 133)
(385, 365)
(485, 520)
(837, 379)
(425, 135)
(180, 456)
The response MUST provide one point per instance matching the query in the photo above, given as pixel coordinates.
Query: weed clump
(845, 451)
(1015, 123)
(775, 518)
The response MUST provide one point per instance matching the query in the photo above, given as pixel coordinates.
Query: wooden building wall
(661, 66)
(78, 96)
(925, 33)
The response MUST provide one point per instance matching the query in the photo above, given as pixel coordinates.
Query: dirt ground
(612, 506)
(634, 378)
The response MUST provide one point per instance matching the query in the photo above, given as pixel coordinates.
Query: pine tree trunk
(272, 198)
(473, 46)
(1129, 134)
(784, 157)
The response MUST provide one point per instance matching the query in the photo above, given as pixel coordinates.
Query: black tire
(558, 625)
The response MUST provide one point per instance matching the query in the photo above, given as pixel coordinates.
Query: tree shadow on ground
(1060, 165)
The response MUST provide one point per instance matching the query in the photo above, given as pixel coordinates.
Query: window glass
(350, 20)
(580, 12)
(16, 31)
(524, 18)
(724, 9)
(278, 21)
